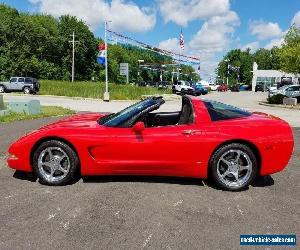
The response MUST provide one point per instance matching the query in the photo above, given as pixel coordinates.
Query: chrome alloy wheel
(234, 168)
(53, 164)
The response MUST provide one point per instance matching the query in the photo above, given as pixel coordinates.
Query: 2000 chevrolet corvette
(204, 139)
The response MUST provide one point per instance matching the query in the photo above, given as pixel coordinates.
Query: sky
(210, 28)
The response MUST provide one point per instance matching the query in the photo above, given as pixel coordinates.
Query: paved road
(246, 100)
(140, 212)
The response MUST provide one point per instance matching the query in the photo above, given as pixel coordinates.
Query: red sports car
(205, 139)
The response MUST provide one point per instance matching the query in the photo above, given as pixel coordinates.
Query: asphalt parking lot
(140, 212)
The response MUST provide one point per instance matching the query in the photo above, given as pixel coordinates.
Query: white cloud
(274, 43)
(213, 38)
(215, 34)
(296, 19)
(252, 46)
(183, 11)
(124, 15)
(265, 30)
(171, 44)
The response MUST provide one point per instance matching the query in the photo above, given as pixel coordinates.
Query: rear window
(219, 111)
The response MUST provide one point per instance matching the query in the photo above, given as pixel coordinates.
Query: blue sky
(210, 27)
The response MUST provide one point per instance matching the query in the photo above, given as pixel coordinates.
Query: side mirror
(138, 127)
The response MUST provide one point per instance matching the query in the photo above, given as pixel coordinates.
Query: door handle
(188, 132)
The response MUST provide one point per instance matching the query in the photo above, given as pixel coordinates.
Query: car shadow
(260, 181)
(263, 181)
(145, 179)
(24, 176)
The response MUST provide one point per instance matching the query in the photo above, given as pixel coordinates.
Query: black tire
(2, 89)
(215, 163)
(182, 92)
(73, 163)
(26, 90)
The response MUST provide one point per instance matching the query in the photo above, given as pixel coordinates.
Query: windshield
(283, 87)
(120, 118)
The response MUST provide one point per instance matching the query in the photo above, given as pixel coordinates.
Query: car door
(13, 83)
(167, 150)
(21, 82)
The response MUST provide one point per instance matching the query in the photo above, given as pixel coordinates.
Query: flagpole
(106, 93)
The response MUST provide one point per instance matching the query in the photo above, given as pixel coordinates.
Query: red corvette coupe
(205, 139)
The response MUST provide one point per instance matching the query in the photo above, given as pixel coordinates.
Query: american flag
(181, 42)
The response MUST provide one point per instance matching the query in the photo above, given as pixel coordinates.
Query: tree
(289, 53)
(38, 45)
(267, 59)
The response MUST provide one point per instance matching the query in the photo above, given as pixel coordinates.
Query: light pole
(227, 60)
(106, 93)
(140, 61)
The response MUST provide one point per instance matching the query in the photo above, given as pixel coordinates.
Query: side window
(21, 79)
(220, 111)
(14, 79)
(28, 80)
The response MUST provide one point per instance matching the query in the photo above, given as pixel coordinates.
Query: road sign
(124, 70)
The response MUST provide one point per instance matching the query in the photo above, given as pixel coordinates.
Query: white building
(272, 77)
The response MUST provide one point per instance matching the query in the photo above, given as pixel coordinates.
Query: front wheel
(55, 163)
(233, 167)
(2, 89)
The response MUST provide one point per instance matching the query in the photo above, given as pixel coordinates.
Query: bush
(276, 99)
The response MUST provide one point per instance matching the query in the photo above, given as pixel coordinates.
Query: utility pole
(73, 54)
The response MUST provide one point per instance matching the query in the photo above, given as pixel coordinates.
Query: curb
(280, 106)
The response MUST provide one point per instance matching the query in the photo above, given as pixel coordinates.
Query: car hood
(79, 120)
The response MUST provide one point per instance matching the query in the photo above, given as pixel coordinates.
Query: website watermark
(268, 240)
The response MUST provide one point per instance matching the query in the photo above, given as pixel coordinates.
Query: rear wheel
(55, 163)
(2, 89)
(233, 167)
(26, 90)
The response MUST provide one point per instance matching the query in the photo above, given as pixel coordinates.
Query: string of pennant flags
(120, 38)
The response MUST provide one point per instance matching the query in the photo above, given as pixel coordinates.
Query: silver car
(287, 90)
(27, 85)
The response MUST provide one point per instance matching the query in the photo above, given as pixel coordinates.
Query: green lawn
(96, 89)
(46, 111)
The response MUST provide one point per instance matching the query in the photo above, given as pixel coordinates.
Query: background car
(199, 89)
(214, 87)
(182, 87)
(163, 85)
(204, 139)
(259, 87)
(223, 87)
(235, 88)
(245, 87)
(28, 85)
(288, 91)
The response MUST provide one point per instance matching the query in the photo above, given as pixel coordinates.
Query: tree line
(39, 45)
(286, 58)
